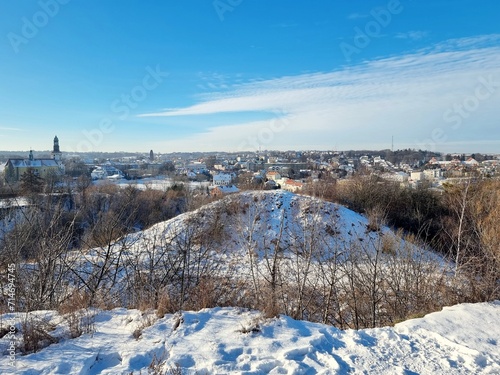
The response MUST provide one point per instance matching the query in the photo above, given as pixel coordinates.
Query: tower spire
(56, 145)
(56, 152)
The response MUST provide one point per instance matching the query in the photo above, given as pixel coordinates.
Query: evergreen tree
(31, 183)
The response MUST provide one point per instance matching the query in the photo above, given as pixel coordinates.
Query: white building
(106, 171)
(196, 167)
(433, 174)
(222, 179)
(417, 176)
(396, 177)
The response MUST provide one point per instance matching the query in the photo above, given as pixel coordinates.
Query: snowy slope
(462, 339)
(262, 216)
(226, 236)
(234, 242)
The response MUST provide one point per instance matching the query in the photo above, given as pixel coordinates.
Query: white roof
(35, 163)
(228, 189)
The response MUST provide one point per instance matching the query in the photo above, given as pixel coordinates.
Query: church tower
(56, 152)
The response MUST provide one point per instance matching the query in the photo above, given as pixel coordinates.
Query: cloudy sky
(240, 75)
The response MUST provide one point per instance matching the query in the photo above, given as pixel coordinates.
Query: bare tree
(39, 242)
(101, 256)
(459, 204)
(272, 258)
(249, 228)
(305, 242)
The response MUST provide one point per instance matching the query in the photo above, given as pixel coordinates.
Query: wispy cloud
(355, 16)
(413, 35)
(359, 106)
(470, 43)
(213, 81)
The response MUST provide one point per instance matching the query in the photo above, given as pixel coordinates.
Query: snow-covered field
(462, 339)
(161, 184)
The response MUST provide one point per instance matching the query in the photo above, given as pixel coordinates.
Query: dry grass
(80, 322)
(35, 334)
(148, 319)
(77, 301)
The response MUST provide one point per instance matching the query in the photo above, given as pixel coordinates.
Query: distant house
(42, 167)
(106, 171)
(471, 162)
(220, 167)
(400, 177)
(433, 174)
(222, 190)
(196, 167)
(417, 176)
(272, 159)
(291, 185)
(222, 179)
(273, 175)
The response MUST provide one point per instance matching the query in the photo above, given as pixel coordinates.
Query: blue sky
(236, 75)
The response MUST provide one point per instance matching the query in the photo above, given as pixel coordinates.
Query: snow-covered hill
(325, 262)
(462, 339)
(258, 219)
(247, 249)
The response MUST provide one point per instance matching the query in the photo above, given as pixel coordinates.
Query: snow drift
(462, 339)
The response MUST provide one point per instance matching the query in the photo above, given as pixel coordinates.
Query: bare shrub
(80, 322)
(165, 306)
(178, 320)
(35, 334)
(389, 244)
(74, 324)
(376, 219)
(252, 326)
(269, 302)
(148, 319)
(174, 370)
(156, 367)
(76, 301)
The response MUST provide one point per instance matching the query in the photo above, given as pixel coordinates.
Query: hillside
(260, 218)
(274, 251)
(461, 339)
(237, 286)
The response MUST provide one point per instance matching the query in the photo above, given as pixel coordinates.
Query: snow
(462, 339)
(14, 202)
(161, 184)
(273, 211)
(250, 221)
